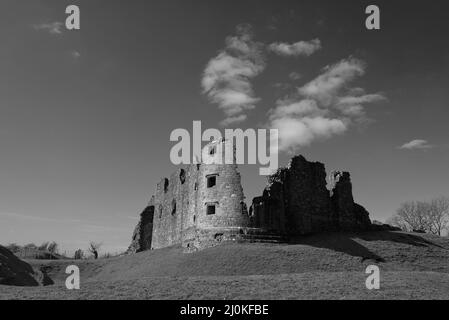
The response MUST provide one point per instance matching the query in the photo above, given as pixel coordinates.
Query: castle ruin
(201, 205)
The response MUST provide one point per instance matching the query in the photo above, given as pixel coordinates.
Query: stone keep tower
(220, 209)
(220, 190)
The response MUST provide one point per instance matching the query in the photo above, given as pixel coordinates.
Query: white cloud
(301, 122)
(52, 28)
(226, 78)
(295, 133)
(353, 105)
(322, 108)
(300, 48)
(416, 144)
(325, 87)
(287, 109)
(355, 100)
(75, 54)
(230, 120)
(294, 75)
(36, 218)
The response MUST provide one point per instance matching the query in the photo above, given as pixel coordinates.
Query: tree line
(50, 250)
(423, 216)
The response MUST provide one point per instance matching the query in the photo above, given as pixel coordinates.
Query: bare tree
(431, 217)
(398, 222)
(44, 246)
(52, 247)
(439, 215)
(411, 215)
(94, 247)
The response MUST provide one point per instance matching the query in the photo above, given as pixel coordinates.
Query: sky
(86, 115)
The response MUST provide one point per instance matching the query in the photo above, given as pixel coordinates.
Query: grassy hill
(14, 271)
(330, 266)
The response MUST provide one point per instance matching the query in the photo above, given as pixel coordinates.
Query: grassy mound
(14, 271)
(330, 266)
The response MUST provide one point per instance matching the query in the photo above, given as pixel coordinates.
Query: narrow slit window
(182, 176)
(173, 206)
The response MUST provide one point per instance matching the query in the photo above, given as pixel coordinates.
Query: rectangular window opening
(211, 181)
(210, 209)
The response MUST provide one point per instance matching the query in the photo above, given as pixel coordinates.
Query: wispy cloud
(86, 224)
(75, 54)
(36, 218)
(354, 105)
(302, 122)
(54, 28)
(323, 107)
(226, 78)
(294, 75)
(300, 48)
(325, 87)
(417, 144)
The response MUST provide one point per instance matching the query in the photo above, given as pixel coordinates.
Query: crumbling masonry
(203, 204)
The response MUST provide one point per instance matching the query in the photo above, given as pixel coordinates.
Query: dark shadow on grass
(344, 242)
(399, 237)
(340, 242)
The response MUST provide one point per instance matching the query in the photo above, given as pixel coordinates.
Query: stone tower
(221, 192)
(198, 205)
(220, 210)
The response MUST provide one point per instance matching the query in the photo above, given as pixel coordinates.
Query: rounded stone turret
(221, 202)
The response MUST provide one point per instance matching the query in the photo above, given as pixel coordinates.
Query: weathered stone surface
(203, 205)
(347, 215)
(180, 205)
(296, 201)
(143, 232)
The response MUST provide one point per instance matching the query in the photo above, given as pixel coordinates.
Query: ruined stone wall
(308, 204)
(296, 201)
(268, 211)
(347, 215)
(171, 203)
(143, 232)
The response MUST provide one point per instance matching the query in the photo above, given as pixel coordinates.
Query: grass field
(329, 266)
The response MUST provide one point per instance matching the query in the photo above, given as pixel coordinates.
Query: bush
(79, 254)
